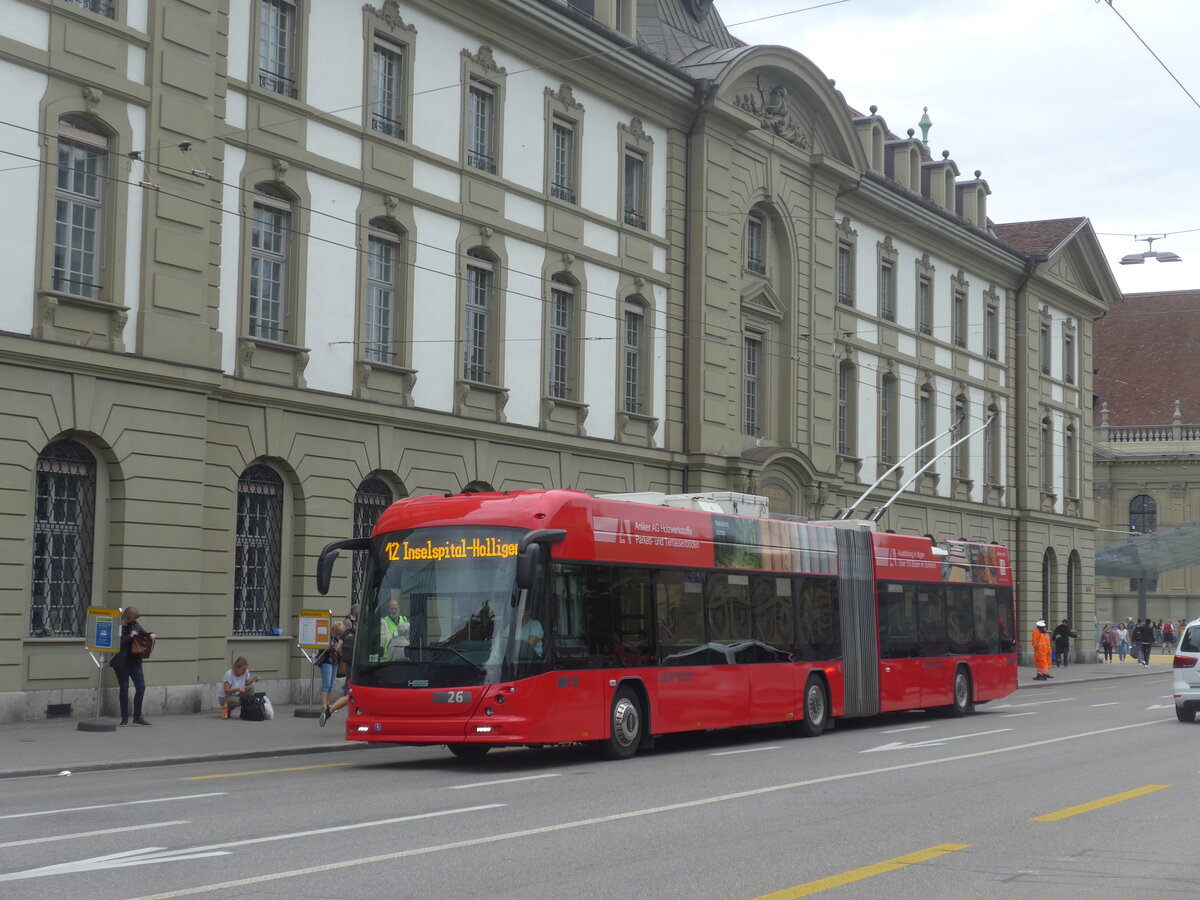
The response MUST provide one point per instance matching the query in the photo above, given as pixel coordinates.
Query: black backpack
(252, 707)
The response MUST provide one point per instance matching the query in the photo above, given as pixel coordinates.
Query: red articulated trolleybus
(551, 617)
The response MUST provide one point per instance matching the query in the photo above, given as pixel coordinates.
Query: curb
(156, 761)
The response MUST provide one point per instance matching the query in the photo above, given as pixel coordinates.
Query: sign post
(102, 636)
(315, 625)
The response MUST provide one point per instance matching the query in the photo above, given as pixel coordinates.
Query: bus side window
(679, 616)
(931, 619)
(960, 626)
(897, 621)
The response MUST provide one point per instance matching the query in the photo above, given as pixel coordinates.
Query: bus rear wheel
(470, 751)
(963, 703)
(816, 708)
(625, 731)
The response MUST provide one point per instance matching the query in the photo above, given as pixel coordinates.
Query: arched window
(1074, 574)
(370, 500)
(1047, 455)
(1143, 514)
(383, 297)
(1049, 581)
(635, 386)
(63, 529)
(79, 209)
(257, 551)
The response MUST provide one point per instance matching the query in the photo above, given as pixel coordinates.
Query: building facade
(274, 264)
(1147, 451)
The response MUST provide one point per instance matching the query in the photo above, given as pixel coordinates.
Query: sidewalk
(53, 746)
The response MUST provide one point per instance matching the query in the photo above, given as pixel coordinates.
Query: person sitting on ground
(237, 681)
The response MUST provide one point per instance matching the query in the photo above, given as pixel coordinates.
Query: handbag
(142, 646)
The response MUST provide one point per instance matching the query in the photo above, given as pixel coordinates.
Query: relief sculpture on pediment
(774, 112)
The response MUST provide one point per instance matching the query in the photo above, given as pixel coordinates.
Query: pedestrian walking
(1040, 639)
(1122, 640)
(328, 661)
(136, 645)
(1168, 638)
(1143, 636)
(1107, 637)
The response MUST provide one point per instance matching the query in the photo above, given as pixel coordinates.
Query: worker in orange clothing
(1041, 651)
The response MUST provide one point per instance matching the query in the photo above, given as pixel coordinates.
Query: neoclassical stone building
(273, 264)
(1147, 451)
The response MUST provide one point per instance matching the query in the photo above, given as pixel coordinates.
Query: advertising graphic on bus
(554, 617)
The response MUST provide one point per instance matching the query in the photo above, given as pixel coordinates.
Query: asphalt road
(1084, 790)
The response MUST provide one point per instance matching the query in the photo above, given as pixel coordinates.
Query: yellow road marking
(264, 772)
(1099, 804)
(881, 868)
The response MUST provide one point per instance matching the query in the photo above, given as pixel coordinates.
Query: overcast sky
(1056, 101)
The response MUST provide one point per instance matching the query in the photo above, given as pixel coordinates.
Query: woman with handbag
(328, 661)
(136, 645)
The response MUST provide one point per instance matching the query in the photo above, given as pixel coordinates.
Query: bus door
(937, 671)
(901, 669)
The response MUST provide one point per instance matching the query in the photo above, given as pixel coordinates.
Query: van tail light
(1184, 662)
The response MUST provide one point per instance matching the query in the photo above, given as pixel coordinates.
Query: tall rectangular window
(960, 461)
(562, 160)
(387, 88)
(1047, 456)
(380, 307)
(755, 260)
(634, 193)
(959, 319)
(845, 274)
(992, 332)
(276, 46)
(751, 383)
(562, 314)
(1044, 347)
(481, 127)
(477, 320)
(78, 211)
(887, 292)
(924, 305)
(1070, 463)
(845, 409)
(991, 454)
(1068, 358)
(925, 424)
(887, 420)
(268, 268)
(634, 338)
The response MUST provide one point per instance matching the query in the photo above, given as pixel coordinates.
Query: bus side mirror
(527, 563)
(530, 551)
(329, 554)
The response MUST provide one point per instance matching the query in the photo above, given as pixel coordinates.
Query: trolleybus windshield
(442, 609)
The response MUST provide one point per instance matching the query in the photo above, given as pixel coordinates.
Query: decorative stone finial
(874, 109)
(945, 154)
(978, 173)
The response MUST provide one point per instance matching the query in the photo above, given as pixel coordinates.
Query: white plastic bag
(268, 709)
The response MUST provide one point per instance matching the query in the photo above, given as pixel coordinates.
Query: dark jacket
(123, 658)
(1062, 637)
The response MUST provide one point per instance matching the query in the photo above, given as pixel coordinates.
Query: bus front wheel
(470, 751)
(625, 731)
(816, 708)
(963, 702)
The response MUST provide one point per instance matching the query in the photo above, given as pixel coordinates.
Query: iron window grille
(258, 547)
(371, 499)
(63, 530)
(481, 127)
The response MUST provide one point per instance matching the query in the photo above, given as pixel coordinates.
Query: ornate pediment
(390, 14)
(775, 111)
